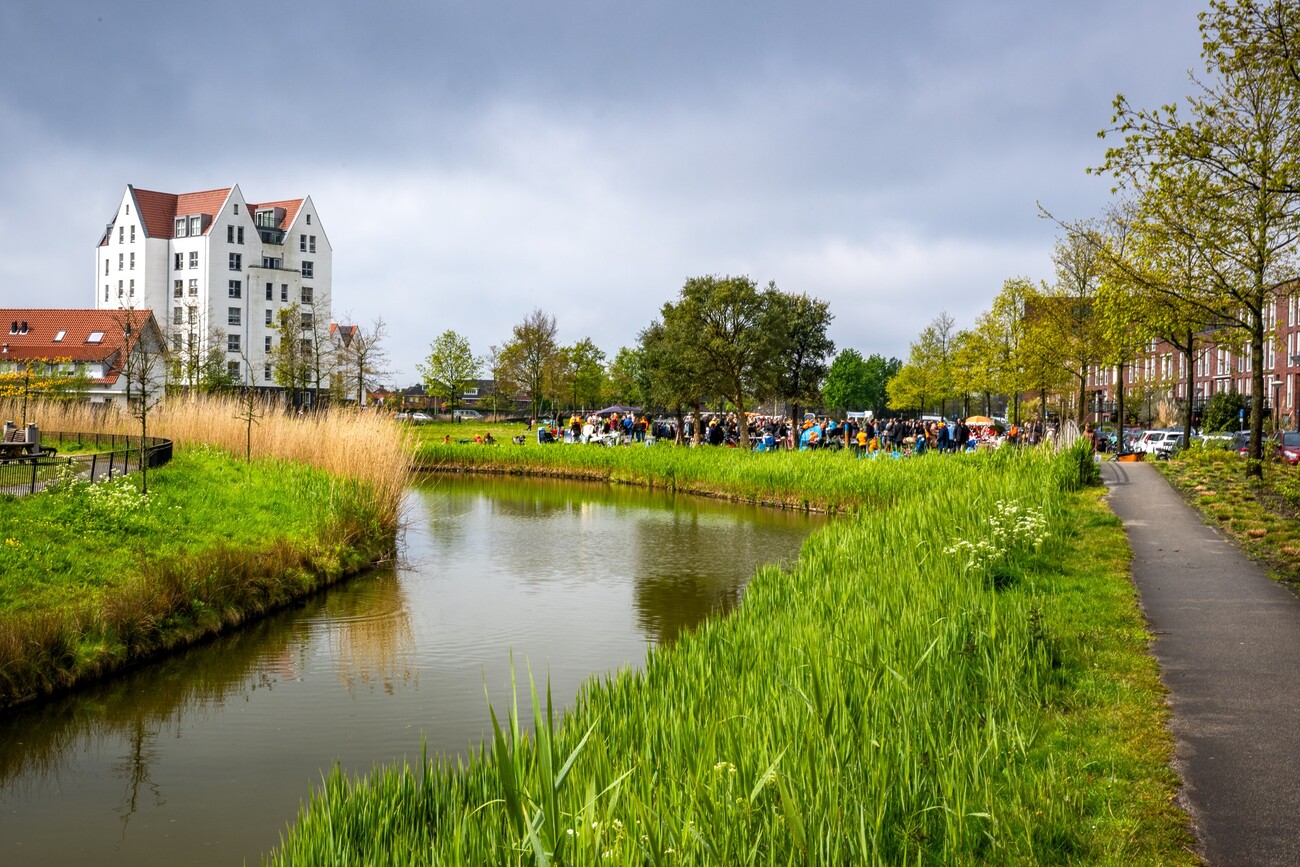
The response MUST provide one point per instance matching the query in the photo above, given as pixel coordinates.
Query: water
(205, 757)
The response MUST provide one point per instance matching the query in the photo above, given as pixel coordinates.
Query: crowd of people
(866, 437)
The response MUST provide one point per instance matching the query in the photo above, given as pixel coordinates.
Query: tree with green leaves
(805, 349)
(449, 369)
(848, 383)
(582, 369)
(671, 371)
(1227, 178)
(362, 358)
(626, 380)
(735, 337)
(291, 355)
(530, 359)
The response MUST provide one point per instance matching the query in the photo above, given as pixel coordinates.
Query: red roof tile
(158, 211)
(291, 209)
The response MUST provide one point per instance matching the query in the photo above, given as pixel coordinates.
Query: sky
(474, 160)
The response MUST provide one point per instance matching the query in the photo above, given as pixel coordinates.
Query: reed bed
(925, 686)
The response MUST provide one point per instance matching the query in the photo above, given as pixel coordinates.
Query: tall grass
(885, 701)
(363, 446)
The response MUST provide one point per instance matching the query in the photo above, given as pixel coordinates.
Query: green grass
(896, 697)
(93, 577)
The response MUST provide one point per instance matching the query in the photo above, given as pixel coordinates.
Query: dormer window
(196, 226)
(182, 227)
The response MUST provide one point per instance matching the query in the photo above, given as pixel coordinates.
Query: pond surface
(204, 758)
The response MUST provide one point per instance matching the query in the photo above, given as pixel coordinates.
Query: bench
(16, 445)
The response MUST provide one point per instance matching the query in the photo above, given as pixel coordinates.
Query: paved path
(1228, 643)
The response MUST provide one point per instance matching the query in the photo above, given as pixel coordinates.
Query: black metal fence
(113, 455)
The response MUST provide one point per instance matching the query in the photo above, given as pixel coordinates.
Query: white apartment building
(217, 269)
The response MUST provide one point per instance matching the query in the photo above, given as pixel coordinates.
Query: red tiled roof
(158, 211)
(291, 209)
(44, 325)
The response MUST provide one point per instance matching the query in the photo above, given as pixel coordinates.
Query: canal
(205, 757)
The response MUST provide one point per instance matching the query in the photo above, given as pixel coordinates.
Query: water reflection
(203, 757)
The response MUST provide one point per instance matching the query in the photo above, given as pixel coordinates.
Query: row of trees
(724, 342)
(1198, 247)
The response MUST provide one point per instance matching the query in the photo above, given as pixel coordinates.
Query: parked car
(1168, 445)
(1288, 447)
(420, 418)
(471, 414)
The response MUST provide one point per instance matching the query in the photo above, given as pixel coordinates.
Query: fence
(27, 475)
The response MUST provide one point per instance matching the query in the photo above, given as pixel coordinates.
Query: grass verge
(960, 676)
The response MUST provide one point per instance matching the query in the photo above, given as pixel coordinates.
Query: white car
(420, 418)
(471, 414)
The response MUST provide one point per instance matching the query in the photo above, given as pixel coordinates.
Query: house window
(180, 261)
(121, 234)
(306, 319)
(266, 373)
(232, 342)
(194, 286)
(236, 209)
(306, 295)
(311, 243)
(192, 314)
(236, 261)
(302, 243)
(132, 231)
(284, 291)
(176, 343)
(196, 226)
(121, 258)
(309, 219)
(95, 337)
(119, 288)
(270, 318)
(236, 289)
(178, 289)
(232, 315)
(132, 289)
(181, 229)
(230, 234)
(132, 260)
(305, 346)
(105, 267)
(232, 367)
(194, 258)
(270, 291)
(308, 269)
(272, 262)
(105, 292)
(177, 315)
(267, 343)
(239, 235)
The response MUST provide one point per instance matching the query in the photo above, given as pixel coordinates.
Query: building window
(305, 346)
(196, 226)
(236, 289)
(180, 261)
(267, 343)
(177, 315)
(194, 258)
(232, 315)
(119, 288)
(106, 266)
(181, 229)
(176, 343)
(309, 219)
(132, 260)
(194, 286)
(308, 269)
(192, 314)
(121, 259)
(272, 262)
(306, 319)
(307, 243)
(233, 368)
(270, 291)
(302, 243)
(105, 292)
(306, 295)
(132, 231)
(132, 289)
(178, 289)
(284, 292)
(121, 234)
(239, 235)
(236, 261)
(270, 318)
(266, 373)
(232, 342)
(230, 234)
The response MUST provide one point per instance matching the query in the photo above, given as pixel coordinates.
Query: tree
(670, 368)
(848, 382)
(583, 371)
(530, 358)
(143, 366)
(879, 372)
(927, 375)
(450, 368)
(736, 335)
(1227, 180)
(627, 380)
(362, 357)
(805, 349)
(291, 356)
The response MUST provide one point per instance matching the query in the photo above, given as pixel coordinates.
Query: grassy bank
(1261, 515)
(956, 676)
(94, 578)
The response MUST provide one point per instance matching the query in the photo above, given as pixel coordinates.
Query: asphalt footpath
(1227, 638)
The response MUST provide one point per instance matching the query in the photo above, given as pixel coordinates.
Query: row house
(216, 271)
(1160, 372)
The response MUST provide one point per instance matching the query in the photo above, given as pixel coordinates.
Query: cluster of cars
(424, 418)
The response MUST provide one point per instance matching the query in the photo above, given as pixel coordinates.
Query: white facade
(215, 268)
